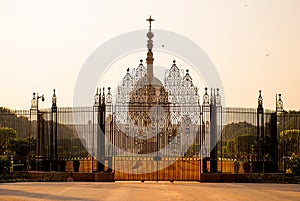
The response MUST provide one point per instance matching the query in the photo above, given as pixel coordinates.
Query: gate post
(273, 149)
(108, 109)
(53, 133)
(205, 131)
(279, 122)
(219, 127)
(33, 111)
(259, 167)
(97, 99)
(213, 133)
(101, 133)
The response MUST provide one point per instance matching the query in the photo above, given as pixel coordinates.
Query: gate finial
(103, 97)
(279, 104)
(54, 99)
(260, 100)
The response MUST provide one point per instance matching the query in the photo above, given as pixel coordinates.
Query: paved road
(148, 191)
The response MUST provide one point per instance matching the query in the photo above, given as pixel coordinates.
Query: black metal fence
(225, 140)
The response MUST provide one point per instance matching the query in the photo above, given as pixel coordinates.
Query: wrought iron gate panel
(151, 144)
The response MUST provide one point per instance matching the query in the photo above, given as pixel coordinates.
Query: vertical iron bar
(55, 137)
(93, 138)
(29, 140)
(221, 113)
(157, 138)
(51, 140)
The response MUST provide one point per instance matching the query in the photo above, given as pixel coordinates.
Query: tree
(17, 120)
(4, 165)
(294, 164)
(19, 146)
(289, 141)
(5, 135)
(232, 130)
(245, 143)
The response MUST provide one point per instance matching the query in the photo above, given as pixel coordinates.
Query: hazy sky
(254, 44)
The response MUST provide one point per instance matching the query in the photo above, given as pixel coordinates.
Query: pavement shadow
(28, 195)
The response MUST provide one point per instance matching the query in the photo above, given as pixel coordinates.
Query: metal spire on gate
(150, 59)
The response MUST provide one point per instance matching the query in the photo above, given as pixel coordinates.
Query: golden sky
(253, 44)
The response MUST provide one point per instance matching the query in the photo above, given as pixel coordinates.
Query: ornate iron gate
(158, 131)
(155, 143)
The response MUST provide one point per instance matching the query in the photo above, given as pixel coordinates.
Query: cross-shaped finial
(150, 20)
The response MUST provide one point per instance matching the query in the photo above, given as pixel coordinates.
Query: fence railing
(245, 140)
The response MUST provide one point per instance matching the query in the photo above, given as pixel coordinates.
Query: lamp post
(35, 106)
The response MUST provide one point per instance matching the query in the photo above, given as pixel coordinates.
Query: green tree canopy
(289, 141)
(17, 120)
(6, 134)
(19, 146)
(232, 130)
